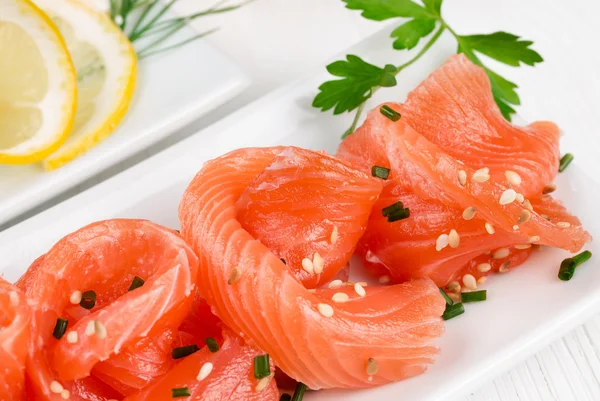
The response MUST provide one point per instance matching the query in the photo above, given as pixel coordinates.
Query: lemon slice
(106, 67)
(37, 84)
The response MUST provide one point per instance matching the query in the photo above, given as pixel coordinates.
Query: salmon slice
(309, 209)
(15, 318)
(364, 342)
(225, 375)
(104, 257)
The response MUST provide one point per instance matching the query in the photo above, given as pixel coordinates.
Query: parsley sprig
(360, 79)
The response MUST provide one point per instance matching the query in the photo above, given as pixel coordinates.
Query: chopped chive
(60, 328)
(182, 352)
(449, 300)
(567, 267)
(453, 310)
(285, 397)
(262, 366)
(136, 283)
(178, 232)
(283, 260)
(398, 215)
(380, 172)
(180, 392)
(389, 113)
(565, 161)
(392, 208)
(299, 392)
(212, 345)
(474, 296)
(88, 299)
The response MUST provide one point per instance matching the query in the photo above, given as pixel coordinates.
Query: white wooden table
(276, 41)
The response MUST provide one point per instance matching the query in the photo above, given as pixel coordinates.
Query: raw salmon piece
(454, 108)
(309, 205)
(318, 342)
(105, 257)
(90, 389)
(15, 318)
(229, 376)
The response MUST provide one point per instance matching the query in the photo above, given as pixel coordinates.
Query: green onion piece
(453, 311)
(136, 283)
(299, 392)
(262, 366)
(567, 267)
(212, 345)
(474, 296)
(178, 232)
(283, 260)
(180, 392)
(380, 172)
(285, 397)
(60, 328)
(88, 299)
(565, 161)
(389, 113)
(449, 300)
(182, 352)
(398, 215)
(386, 211)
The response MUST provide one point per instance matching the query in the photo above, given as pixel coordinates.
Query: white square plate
(526, 308)
(173, 89)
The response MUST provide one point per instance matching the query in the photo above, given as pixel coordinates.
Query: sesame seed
(469, 213)
(384, 279)
(56, 387)
(481, 280)
(14, 298)
(515, 227)
(359, 290)
(325, 310)
(340, 297)
(336, 284)
(504, 267)
(90, 329)
(318, 263)
(462, 177)
(453, 286)
(363, 283)
(520, 198)
(484, 267)
(524, 246)
(204, 371)
(453, 239)
(548, 189)
(528, 205)
(454, 297)
(334, 235)
(535, 238)
(481, 175)
(72, 337)
(546, 198)
(100, 330)
(441, 242)
(312, 290)
(308, 266)
(524, 216)
(545, 216)
(372, 367)
(263, 383)
(370, 378)
(508, 196)
(75, 297)
(234, 276)
(469, 281)
(489, 228)
(501, 253)
(563, 224)
(512, 177)
(65, 394)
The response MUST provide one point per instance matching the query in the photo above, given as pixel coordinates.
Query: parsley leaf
(504, 47)
(409, 34)
(359, 78)
(435, 6)
(380, 10)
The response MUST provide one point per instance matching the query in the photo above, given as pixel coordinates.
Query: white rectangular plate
(526, 308)
(174, 88)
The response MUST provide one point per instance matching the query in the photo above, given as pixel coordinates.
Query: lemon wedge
(106, 67)
(37, 84)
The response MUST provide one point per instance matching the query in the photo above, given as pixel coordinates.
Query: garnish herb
(180, 392)
(182, 352)
(386, 211)
(564, 162)
(390, 113)
(60, 328)
(136, 283)
(262, 366)
(283, 260)
(359, 80)
(380, 172)
(285, 397)
(395, 212)
(88, 299)
(453, 310)
(212, 344)
(567, 267)
(449, 300)
(299, 392)
(474, 296)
